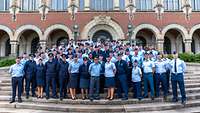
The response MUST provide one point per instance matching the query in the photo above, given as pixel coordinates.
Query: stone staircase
(34, 105)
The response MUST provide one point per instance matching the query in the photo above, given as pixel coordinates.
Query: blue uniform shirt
(95, 69)
(180, 66)
(74, 67)
(148, 66)
(17, 70)
(160, 66)
(136, 74)
(109, 69)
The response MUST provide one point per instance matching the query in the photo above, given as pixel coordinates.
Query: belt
(161, 73)
(177, 73)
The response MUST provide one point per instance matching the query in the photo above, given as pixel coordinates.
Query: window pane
(30, 5)
(81, 5)
(122, 4)
(172, 5)
(101, 5)
(2, 5)
(196, 5)
(59, 5)
(144, 5)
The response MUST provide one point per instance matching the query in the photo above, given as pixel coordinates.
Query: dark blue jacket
(30, 68)
(62, 69)
(122, 67)
(51, 68)
(40, 72)
(83, 71)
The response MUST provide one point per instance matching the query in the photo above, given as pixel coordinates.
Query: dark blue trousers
(148, 79)
(178, 79)
(51, 81)
(161, 79)
(94, 84)
(16, 82)
(63, 86)
(122, 85)
(30, 81)
(137, 90)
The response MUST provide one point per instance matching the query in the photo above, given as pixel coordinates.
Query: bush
(7, 62)
(188, 57)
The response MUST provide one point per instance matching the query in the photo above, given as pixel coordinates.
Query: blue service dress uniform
(84, 76)
(74, 71)
(30, 69)
(40, 75)
(62, 68)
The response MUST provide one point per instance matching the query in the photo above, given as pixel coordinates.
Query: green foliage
(189, 57)
(7, 62)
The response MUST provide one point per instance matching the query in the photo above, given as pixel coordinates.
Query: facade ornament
(14, 9)
(131, 9)
(159, 8)
(44, 9)
(73, 9)
(187, 9)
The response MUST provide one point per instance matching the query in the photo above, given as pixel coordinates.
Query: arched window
(4, 5)
(195, 5)
(122, 4)
(29, 5)
(101, 5)
(172, 5)
(81, 5)
(59, 5)
(144, 5)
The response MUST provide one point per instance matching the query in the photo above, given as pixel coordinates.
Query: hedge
(7, 62)
(189, 57)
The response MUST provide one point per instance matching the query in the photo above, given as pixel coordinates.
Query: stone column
(160, 46)
(116, 4)
(14, 48)
(188, 47)
(43, 44)
(87, 5)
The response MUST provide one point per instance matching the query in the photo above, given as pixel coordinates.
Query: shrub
(7, 62)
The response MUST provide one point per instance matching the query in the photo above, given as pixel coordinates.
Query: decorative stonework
(193, 29)
(7, 30)
(100, 22)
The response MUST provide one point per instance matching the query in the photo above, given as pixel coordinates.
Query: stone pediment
(102, 19)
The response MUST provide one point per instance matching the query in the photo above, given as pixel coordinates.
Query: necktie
(175, 69)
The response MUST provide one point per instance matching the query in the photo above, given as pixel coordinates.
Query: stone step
(100, 108)
(13, 110)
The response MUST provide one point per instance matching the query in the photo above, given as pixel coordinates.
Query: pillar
(87, 5)
(188, 47)
(43, 44)
(14, 48)
(160, 43)
(116, 4)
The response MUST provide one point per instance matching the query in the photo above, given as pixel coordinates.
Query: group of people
(94, 66)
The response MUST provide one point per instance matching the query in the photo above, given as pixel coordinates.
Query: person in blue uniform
(84, 78)
(136, 79)
(17, 73)
(40, 78)
(30, 69)
(62, 68)
(160, 76)
(121, 77)
(51, 70)
(110, 71)
(148, 69)
(94, 70)
(74, 75)
(178, 68)
(102, 77)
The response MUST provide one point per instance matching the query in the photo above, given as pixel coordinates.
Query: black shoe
(97, 98)
(27, 97)
(47, 98)
(183, 103)
(12, 101)
(152, 98)
(65, 97)
(61, 99)
(174, 100)
(91, 99)
(20, 100)
(125, 98)
(165, 98)
(34, 95)
(54, 97)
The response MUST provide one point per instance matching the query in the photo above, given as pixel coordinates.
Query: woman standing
(84, 78)
(110, 71)
(40, 77)
(74, 73)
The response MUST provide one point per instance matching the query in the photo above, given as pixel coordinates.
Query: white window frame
(174, 6)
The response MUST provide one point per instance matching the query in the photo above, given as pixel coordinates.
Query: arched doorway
(141, 41)
(146, 37)
(8, 48)
(176, 41)
(167, 45)
(5, 47)
(102, 36)
(196, 41)
(35, 45)
(58, 37)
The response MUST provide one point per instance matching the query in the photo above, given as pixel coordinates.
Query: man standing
(17, 72)
(121, 76)
(178, 67)
(30, 69)
(94, 70)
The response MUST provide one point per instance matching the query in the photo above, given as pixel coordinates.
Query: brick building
(168, 25)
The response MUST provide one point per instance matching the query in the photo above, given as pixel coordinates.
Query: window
(59, 5)
(29, 5)
(195, 5)
(122, 4)
(101, 5)
(81, 5)
(144, 5)
(4, 5)
(172, 5)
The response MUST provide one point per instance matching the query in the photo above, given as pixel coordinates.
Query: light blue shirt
(17, 70)
(109, 69)
(138, 58)
(74, 67)
(180, 66)
(23, 61)
(167, 61)
(160, 66)
(136, 74)
(148, 66)
(95, 69)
